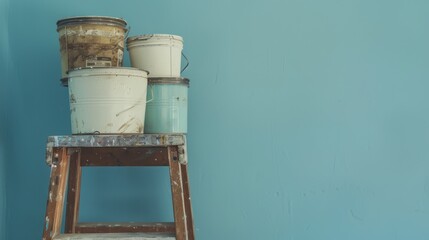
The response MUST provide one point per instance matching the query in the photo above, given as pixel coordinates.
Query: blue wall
(3, 114)
(308, 119)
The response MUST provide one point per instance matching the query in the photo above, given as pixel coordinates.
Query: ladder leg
(55, 202)
(187, 197)
(177, 194)
(73, 192)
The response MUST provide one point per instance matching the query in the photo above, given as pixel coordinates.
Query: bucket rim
(168, 80)
(145, 37)
(103, 20)
(115, 70)
(124, 68)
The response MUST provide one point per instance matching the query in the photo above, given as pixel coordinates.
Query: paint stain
(126, 125)
(72, 98)
(81, 48)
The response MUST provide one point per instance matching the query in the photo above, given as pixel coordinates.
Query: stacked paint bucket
(107, 98)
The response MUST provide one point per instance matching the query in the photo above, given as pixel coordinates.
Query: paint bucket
(91, 41)
(160, 54)
(107, 100)
(167, 110)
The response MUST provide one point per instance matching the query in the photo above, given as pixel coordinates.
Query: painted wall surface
(3, 115)
(307, 119)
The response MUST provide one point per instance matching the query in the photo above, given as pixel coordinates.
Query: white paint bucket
(91, 41)
(160, 54)
(167, 106)
(107, 100)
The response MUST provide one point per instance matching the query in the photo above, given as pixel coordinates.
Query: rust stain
(126, 125)
(138, 126)
(77, 47)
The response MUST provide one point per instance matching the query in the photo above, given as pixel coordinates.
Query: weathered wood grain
(122, 236)
(166, 227)
(73, 193)
(132, 156)
(55, 202)
(177, 194)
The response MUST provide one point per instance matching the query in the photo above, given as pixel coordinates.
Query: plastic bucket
(160, 54)
(167, 106)
(107, 100)
(91, 41)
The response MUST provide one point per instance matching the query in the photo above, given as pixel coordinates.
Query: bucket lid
(92, 20)
(168, 80)
(149, 36)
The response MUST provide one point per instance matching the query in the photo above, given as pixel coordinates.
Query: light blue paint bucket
(167, 105)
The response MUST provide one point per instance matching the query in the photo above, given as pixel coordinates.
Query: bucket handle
(187, 62)
(151, 93)
(150, 100)
(128, 32)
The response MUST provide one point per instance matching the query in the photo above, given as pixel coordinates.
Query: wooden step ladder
(66, 156)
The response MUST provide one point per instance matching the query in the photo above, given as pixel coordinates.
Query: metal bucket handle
(151, 93)
(150, 100)
(187, 63)
(128, 31)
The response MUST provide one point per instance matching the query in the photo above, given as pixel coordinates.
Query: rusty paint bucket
(167, 108)
(107, 100)
(91, 41)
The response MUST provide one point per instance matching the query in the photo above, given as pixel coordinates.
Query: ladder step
(134, 227)
(122, 236)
